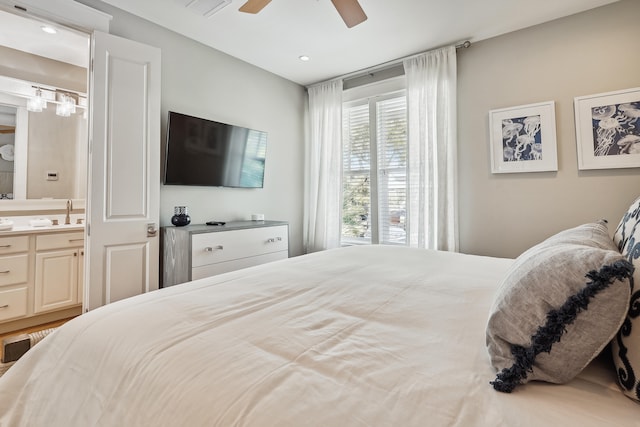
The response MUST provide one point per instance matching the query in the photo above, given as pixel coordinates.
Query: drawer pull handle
(274, 239)
(5, 246)
(4, 306)
(75, 240)
(5, 272)
(210, 249)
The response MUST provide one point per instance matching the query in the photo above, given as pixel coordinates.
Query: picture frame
(523, 138)
(608, 129)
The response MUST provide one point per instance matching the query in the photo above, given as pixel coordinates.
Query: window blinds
(375, 171)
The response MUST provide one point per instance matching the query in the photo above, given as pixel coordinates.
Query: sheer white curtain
(323, 167)
(432, 208)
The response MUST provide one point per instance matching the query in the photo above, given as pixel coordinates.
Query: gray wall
(204, 82)
(500, 215)
(584, 54)
(54, 143)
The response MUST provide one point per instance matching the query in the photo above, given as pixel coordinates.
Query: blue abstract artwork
(615, 129)
(521, 139)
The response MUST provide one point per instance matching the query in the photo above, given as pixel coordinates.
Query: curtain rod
(462, 45)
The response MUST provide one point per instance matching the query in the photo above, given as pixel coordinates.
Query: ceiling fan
(350, 10)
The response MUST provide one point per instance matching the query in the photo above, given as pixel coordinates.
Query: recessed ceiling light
(303, 58)
(49, 30)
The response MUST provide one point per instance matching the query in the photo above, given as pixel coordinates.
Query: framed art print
(523, 139)
(608, 130)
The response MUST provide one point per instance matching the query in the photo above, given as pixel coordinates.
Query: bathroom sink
(40, 222)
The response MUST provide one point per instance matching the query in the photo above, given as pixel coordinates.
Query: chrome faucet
(67, 219)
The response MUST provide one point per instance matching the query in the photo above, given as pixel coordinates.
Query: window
(374, 170)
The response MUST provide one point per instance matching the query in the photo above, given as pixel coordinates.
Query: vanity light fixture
(67, 105)
(36, 103)
(66, 102)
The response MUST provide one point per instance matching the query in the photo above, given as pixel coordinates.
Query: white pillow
(558, 306)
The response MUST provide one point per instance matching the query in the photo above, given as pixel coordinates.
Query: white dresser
(198, 251)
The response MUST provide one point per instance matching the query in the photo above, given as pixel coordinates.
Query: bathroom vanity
(41, 274)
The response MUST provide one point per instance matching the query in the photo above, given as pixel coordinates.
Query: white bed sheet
(360, 336)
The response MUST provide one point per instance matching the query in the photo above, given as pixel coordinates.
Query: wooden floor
(30, 330)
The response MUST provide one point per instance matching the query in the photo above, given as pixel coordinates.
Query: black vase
(180, 216)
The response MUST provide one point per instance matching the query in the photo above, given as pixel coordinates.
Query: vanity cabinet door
(56, 284)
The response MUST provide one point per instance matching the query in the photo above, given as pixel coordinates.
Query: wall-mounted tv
(204, 152)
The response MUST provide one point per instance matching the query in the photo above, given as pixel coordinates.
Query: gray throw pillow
(626, 345)
(557, 307)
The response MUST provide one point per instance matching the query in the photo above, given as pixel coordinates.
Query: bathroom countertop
(27, 229)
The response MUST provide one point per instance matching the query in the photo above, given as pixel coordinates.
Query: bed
(357, 336)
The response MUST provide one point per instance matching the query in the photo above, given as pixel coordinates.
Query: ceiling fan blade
(254, 6)
(350, 11)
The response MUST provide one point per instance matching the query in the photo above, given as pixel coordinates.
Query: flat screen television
(204, 152)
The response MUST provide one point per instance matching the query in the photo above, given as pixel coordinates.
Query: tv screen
(209, 153)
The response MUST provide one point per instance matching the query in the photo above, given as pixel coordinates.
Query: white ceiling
(26, 34)
(285, 29)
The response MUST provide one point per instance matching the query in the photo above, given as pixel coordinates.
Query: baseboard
(15, 326)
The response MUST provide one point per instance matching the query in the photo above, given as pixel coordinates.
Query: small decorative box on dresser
(198, 251)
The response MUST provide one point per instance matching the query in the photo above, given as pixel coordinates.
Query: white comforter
(361, 336)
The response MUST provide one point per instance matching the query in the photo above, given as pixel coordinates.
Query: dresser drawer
(59, 241)
(221, 246)
(14, 244)
(13, 303)
(13, 269)
(236, 264)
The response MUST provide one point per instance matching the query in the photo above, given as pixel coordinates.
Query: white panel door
(124, 170)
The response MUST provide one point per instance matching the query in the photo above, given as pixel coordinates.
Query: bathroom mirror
(42, 155)
(7, 150)
(49, 148)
